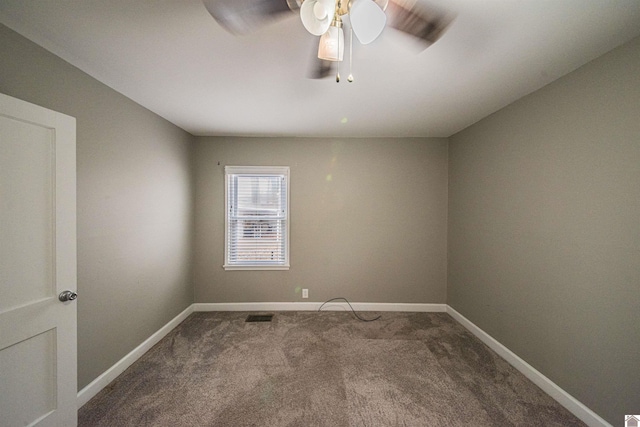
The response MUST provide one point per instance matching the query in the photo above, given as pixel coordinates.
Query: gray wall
(544, 230)
(134, 202)
(374, 232)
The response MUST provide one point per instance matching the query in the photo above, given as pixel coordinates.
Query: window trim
(269, 170)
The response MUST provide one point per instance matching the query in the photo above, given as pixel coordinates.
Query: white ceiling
(173, 58)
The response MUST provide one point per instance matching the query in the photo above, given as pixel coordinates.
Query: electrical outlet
(305, 293)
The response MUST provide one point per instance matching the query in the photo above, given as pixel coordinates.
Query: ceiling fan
(325, 18)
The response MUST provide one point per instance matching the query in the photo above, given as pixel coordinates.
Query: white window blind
(257, 217)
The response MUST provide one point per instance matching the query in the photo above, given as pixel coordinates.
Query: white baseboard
(313, 306)
(552, 389)
(110, 374)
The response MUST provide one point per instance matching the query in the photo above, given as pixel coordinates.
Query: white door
(38, 374)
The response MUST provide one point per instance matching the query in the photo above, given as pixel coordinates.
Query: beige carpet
(322, 369)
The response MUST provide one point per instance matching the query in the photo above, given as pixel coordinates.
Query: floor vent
(259, 318)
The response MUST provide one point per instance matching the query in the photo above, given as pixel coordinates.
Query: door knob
(67, 296)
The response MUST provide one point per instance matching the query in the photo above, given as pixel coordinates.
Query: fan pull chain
(350, 78)
(338, 63)
(338, 6)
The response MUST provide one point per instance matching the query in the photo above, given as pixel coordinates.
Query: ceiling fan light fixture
(331, 47)
(316, 15)
(320, 11)
(367, 20)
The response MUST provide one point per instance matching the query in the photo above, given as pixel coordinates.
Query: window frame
(256, 170)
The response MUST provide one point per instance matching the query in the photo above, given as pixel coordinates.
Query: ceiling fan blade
(419, 20)
(244, 16)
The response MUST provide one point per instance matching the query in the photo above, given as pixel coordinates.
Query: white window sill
(256, 267)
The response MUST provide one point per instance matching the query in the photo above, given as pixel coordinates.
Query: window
(257, 218)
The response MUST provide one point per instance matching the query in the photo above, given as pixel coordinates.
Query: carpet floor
(322, 369)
